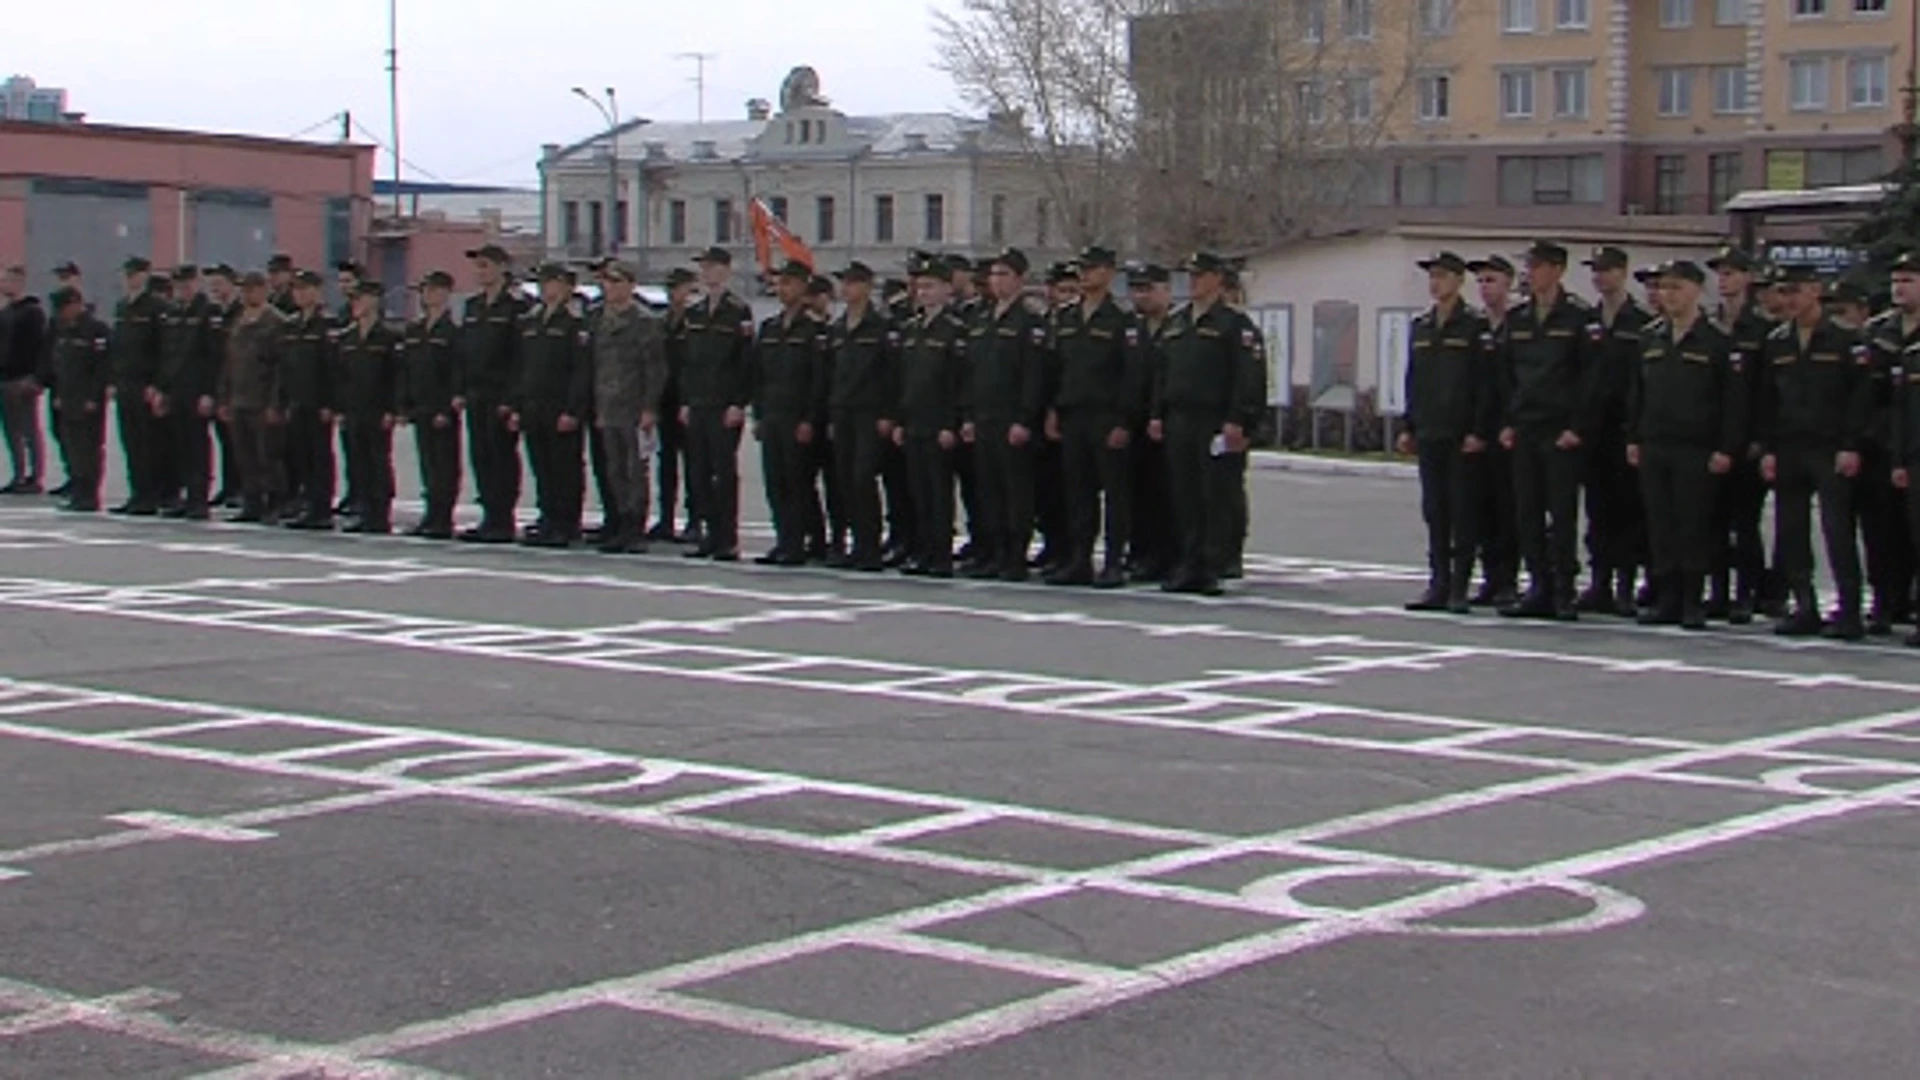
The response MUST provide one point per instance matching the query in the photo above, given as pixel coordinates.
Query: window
(777, 206)
(677, 221)
(1676, 14)
(723, 221)
(1441, 182)
(1436, 16)
(936, 230)
(1359, 95)
(1808, 80)
(1808, 9)
(997, 220)
(1669, 184)
(1434, 97)
(883, 219)
(42, 110)
(569, 223)
(1676, 91)
(1730, 89)
(1516, 94)
(1850, 165)
(1313, 20)
(1867, 82)
(823, 223)
(1570, 93)
(1519, 16)
(1570, 14)
(596, 227)
(1042, 220)
(619, 223)
(1869, 7)
(1551, 180)
(1723, 180)
(1730, 12)
(1356, 18)
(1309, 101)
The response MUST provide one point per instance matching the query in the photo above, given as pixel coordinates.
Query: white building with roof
(851, 187)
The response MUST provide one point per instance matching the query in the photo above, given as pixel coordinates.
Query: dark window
(1552, 180)
(339, 230)
(677, 221)
(936, 218)
(823, 220)
(596, 230)
(619, 223)
(723, 221)
(569, 223)
(997, 220)
(1850, 165)
(883, 219)
(1670, 184)
(1723, 180)
(778, 206)
(1042, 222)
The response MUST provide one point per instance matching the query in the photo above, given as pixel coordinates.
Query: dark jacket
(489, 340)
(136, 341)
(309, 375)
(249, 373)
(1615, 360)
(429, 368)
(1690, 392)
(933, 374)
(23, 338)
(629, 364)
(1214, 367)
(82, 361)
(1547, 367)
(1818, 395)
(719, 365)
(1901, 353)
(1450, 392)
(1098, 371)
(190, 352)
(556, 367)
(1007, 365)
(866, 365)
(791, 375)
(368, 369)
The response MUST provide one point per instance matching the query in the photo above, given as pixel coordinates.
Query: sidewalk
(1325, 465)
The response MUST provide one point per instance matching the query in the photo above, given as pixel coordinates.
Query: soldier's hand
(1769, 468)
(803, 434)
(886, 429)
(1118, 438)
(758, 431)
(160, 405)
(442, 420)
(204, 407)
(1847, 464)
(566, 423)
(326, 416)
(1052, 426)
(1719, 464)
(946, 440)
(1473, 444)
(647, 420)
(967, 432)
(1900, 479)
(1157, 430)
(1019, 435)
(1568, 440)
(1403, 445)
(459, 404)
(1508, 438)
(685, 415)
(899, 435)
(1236, 437)
(736, 416)
(388, 420)
(1633, 454)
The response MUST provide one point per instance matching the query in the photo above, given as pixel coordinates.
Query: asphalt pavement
(285, 805)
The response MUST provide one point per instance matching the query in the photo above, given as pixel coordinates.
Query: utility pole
(346, 125)
(393, 94)
(610, 112)
(1909, 130)
(699, 80)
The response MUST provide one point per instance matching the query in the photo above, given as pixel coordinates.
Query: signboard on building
(1826, 258)
(1390, 360)
(1276, 326)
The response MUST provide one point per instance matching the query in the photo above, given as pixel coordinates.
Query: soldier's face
(791, 290)
(1611, 279)
(931, 291)
(1678, 294)
(254, 295)
(346, 283)
(1734, 284)
(486, 272)
(435, 296)
(220, 288)
(1207, 284)
(554, 292)
(12, 283)
(1495, 286)
(714, 276)
(1543, 276)
(1443, 284)
(365, 306)
(856, 291)
(1906, 290)
(136, 283)
(306, 295)
(1097, 277)
(618, 290)
(1003, 281)
(185, 288)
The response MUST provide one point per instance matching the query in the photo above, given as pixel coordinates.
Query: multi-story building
(23, 99)
(850, 187)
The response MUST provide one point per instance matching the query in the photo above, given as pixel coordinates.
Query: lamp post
(610, 112)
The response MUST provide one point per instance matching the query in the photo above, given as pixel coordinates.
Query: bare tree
(1198, 123)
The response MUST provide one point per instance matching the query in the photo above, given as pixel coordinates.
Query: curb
(1314, 465)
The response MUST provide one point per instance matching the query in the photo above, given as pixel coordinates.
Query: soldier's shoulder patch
(100, 344)
(1862, 356)
(1781, 332)
(746, 327)
(1596, 331)
(1737, 361)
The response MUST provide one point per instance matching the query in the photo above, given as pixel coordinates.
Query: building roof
(426, 187)
(888, 135)
(177, 136)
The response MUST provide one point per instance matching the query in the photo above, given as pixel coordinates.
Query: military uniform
(1450, 397)
(1817, 404)
(629, 379)
(249, 392)
(931, 402)
(429, 362)
(1687, 402)
(1099, 396)
(1741, 496)
(1546, 359)
(670, 455)
(1904, 369)
(308, 389)
(1616, 521)
(1006, 389)
(1153, 542)
(718, 377)
(83, 370)
(789, 391)
(860, 394)
(489, 371)
(136, 364)
(369, 367)
(189, 370)
(556, 384)
(1880, 508)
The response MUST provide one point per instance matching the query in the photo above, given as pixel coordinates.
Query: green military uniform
(789, 394)
(307, 394)
(1099, 396)
(249, 391)
(136, 365)
(1153, 543)
(489, 370)
(1450, 397)
(1741, 497)
(369, 367)
(866, 357)
(718, 376)
(1006, 390)
(556, 381)
(429, 382)
(1687, 402)
(189, 372)
(1816, 406)
(1616, 520)
(83, 370)
(931, 402)
(1903, 366)
(671, 450)
(1880, 508)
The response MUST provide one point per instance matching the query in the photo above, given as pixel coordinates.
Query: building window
(1440, 182)
(1356, 18)
(1730, 12)
(1042, 222)
(1851, 165)
(883, 219)
(1570, 93)
(1730, 89)
(1676, 14)
(1359, 95)
(1808, 9)
(677, 221)
(1808, 80)
(569, 223)
(619, 223)
(1551, 180)
(1570, 14)
(1313, 20)
(777, 206)
(1869, 7)
(1435, 97)
(1516, 94)
(823, 219)
(596, 227)
(1669, 184)
(1519, 16)
(1309, 101)
(1436, 16)
(1723, 180)
(1867, 82)
(1676, 91)
(723, 221)
(936, 231)
(997, 220)
(339, 230)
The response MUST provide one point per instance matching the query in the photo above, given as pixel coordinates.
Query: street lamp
(610, 112)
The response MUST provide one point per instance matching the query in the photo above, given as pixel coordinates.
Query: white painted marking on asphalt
(188, 828)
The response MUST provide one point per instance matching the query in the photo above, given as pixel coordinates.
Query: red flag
(769, 230)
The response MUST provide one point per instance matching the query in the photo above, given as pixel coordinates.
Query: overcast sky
(482, 83)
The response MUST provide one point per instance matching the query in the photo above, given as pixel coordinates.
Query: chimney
(916, 142)
(759, 109)
(705, 149)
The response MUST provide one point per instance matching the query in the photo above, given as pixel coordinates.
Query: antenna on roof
(699, 80)
(393, 94)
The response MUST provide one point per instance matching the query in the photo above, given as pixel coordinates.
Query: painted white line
(963, 952)
(744, 1019)
(188, 828)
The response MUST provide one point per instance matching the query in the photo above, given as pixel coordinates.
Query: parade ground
(280, 805)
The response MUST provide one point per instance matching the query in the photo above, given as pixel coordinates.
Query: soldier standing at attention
(1901, 327)
(1547, 352)
(865, 347)
(23, 351)
(307, 392)
(1049, 484)
(83, 370)
(1207, 397)
(429, 375)
(1006, 407)
(928, 414)
(1742, 495)
(825, 504)
(966, 302)
(1499, 547)
(1097, 398)
(1449, 423)
(1880, 507)
(715, 388)
(183, 407)
(65, 276)
(280, 283)
(1813, 421)
(369, 406)
(1616, 525)
(629, 379)
(136, 363)
(1687, 422)
(550, 407)
(1153, 540)
(671, 453)
(249, 394)
(223, 293)
(901, 543)
(1239, 512)
(489, 370)
(789, 384)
